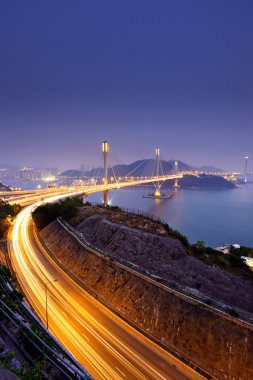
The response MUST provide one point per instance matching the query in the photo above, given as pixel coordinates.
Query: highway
(103, 343)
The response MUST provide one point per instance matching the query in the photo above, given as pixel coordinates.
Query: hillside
(4, 187)
(145, 168)
(163, 255)
(195, 331)
(210, 169)
(157, 248)
(205, 181)
(139, 168)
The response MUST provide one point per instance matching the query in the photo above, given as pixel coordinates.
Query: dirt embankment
(220, 345)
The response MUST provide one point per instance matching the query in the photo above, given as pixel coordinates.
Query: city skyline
(177, 76)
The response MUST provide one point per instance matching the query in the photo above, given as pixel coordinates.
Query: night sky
(174, 74)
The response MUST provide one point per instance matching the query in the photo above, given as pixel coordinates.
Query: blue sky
(141, 74)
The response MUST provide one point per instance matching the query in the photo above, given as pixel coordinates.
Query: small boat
(161, 196)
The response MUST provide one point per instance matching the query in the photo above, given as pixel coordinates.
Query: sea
(216, 217)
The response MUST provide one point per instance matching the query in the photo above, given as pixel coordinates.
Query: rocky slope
(167, 258)
(220, 344)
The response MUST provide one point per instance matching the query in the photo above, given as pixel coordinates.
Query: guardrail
(69, 366)
(192, 365)
(173, 286)
(65, 367)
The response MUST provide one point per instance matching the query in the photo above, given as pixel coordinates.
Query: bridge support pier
(106, 197)
(176, 183)
(105, 150)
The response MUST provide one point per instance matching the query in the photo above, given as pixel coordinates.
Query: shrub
(45, 214)
(232, 312)
(236, 261)
(7, 213)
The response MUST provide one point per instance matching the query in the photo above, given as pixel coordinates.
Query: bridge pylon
(157, 186)
(245, 169)
(105, 150)
(176, 172)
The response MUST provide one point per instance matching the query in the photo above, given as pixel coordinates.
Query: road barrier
(173, 286)
(66, 368)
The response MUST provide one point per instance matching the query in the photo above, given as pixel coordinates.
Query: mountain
(4, 187)
(205, 181)
(140, 168)
(210, 169)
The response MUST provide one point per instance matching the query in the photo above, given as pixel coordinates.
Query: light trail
(104, 344)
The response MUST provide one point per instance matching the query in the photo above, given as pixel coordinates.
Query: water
(215, 216)
(25, 185)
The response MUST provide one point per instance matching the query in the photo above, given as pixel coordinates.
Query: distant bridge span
(31, 196)
(119, 185)
(26, 197)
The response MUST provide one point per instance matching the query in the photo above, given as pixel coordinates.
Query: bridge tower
(176, 171)
(105, 150)
(157, 187)
(245, 169)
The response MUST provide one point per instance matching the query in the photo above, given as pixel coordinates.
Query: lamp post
(46, 285)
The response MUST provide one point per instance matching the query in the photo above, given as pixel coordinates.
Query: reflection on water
(215, 216)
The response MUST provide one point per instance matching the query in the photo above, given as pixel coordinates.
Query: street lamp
(46, 285)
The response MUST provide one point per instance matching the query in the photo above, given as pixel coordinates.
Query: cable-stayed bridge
(28, 196)
(101, 181)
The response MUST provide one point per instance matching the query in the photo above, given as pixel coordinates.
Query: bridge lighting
(105, 147)
(49, 179)
(157, 152)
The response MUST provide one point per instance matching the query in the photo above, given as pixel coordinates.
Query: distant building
(226, 248)
(50, 172)
(26, 174)
(3, 173)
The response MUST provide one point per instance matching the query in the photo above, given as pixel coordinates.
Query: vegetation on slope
(242, 251)
(7, 214)
(75, 212)
(231, 262)
(47, 213)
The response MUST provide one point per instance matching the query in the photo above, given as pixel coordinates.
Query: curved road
(104, 344)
